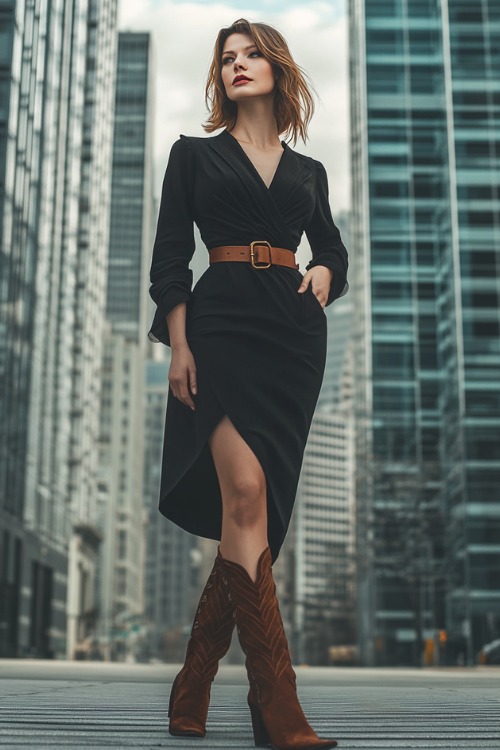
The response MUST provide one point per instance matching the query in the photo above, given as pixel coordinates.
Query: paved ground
(95, 705)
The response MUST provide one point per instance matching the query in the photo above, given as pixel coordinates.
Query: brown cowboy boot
(277, 716)
(210, 639)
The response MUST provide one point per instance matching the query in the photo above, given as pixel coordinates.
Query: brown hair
(293, 102)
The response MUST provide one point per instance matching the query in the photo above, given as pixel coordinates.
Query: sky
(183, 38)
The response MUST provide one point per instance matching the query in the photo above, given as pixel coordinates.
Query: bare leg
(244, 504)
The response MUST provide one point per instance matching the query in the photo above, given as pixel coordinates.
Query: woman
(248, 355)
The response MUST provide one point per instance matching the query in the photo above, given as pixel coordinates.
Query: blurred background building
(123, 512)
(57, 69)
(425, 103)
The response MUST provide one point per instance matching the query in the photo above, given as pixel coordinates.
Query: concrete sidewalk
(102, 705)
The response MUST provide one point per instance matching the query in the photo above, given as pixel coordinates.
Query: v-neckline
(242, 150)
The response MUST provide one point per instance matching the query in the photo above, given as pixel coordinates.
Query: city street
(99, 705)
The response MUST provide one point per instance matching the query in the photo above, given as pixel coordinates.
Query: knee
(246, 499)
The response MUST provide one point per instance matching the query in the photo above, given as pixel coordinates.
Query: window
(122, 544)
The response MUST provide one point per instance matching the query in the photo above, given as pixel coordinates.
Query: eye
(226, 60)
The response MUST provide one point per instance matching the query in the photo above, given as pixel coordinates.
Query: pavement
(61, 704)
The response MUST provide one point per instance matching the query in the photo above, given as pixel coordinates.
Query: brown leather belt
(258, 252)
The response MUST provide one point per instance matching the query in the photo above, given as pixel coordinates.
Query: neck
(256, 123)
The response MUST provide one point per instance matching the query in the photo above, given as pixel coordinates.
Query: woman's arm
(174, 245)
(182, 371)
(171, 277)
(176, 322)
(324, 237)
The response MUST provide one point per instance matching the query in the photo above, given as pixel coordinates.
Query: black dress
(259, 345)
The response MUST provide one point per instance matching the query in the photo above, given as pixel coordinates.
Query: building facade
(424, 110)
(54, 169)
(322, 541)
(121, 493)
(120, 578)
(132, 204)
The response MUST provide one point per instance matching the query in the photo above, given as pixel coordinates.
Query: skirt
(259, 348)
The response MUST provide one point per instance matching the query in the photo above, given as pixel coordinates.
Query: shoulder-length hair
(293, 102)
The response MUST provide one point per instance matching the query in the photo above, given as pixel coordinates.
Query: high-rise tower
(122, 516)
(425, 108)
(131, 234)
(57, 71)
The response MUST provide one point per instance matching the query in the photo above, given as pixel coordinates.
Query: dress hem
(196, 526)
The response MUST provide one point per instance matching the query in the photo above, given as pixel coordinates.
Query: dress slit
(198, 479)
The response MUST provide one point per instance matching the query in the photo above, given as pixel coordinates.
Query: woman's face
(240, 57)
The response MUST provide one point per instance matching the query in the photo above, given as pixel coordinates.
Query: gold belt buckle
(252, 253)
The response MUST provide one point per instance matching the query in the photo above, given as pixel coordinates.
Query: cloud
(183, 37)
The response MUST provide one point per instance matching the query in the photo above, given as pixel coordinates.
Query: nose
(238, 63)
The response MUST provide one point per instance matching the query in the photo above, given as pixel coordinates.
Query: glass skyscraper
(425, 110)
(56, 88)
(131, 232)
(122, 554)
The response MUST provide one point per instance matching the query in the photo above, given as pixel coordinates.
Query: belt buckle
(252, 253)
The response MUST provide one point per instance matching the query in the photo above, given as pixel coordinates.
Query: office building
(132, 203)
(55, 158)
(122, 507)
(122, 515)
(322, 541)
(424, 110)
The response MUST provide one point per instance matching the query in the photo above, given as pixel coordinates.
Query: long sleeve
(174, 245)
(324, 238)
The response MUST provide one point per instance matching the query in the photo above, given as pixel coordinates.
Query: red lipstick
(240, 79)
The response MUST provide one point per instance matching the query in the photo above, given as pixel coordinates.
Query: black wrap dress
(259, 345)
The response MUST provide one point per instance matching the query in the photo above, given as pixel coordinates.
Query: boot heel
(172, 697)
(260, 735)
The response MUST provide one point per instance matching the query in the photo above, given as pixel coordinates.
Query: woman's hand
(182, 374)
(320, 278)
